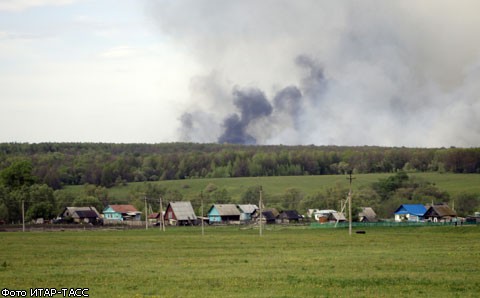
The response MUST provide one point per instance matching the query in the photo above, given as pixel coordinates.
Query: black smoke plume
(252, 105)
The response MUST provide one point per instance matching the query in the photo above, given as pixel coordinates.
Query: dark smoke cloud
(236, 132)
(395, 73)
(252, 105)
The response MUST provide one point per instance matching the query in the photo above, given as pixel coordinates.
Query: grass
(452, 183)
(233, 262)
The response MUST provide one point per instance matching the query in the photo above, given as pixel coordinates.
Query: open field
(189, 188)
(233, 262)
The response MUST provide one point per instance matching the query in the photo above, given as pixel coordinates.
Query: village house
(475, 219)
(118, 213)
(410, 212)
(246, 211)
(80, 215)
(337, 217)
(289, 216)
(269, 215)
(367, 214)
(440, 213)
(223, 213)
(180, 214)
(328, 215)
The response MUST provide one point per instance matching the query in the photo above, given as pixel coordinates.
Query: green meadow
(310, 185)
(237, 262)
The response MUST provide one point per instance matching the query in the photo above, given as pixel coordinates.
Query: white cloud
(120, 52)
(21, 5)
(126, 94)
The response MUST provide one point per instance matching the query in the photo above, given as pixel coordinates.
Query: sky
(371, 72)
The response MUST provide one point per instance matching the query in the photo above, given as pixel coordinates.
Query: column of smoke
(258, 117)
(401, 73)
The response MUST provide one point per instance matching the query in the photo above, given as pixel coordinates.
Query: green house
(121, 213)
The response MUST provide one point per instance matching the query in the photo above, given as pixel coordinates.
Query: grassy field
(452, 183)
(233, 262)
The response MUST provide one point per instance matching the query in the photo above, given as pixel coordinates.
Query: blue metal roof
(415, 209)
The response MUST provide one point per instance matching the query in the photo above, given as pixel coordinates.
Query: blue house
(121, 213)
(410, 212)
(223, 213)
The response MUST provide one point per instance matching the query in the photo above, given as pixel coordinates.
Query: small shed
(180, 214)
(246, 211)
(440, 213)
(155, 217)
(410, 212)
(223, 213)
(288, 216)
(268, 217)
(273, 210)
(367, 214)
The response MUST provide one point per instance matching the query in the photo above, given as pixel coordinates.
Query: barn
(180, 214)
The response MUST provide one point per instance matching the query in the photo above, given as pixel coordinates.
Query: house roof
(325, 212)
(85, 214)
(368, 213)
(183, 210)
(72, 210)
(268, 215)
(337, 216)
(290, 214)
(124, 208)
(154, 215)
(248, 208)
(226, 209)
(440, 211)
(414, 209)
(273, 210)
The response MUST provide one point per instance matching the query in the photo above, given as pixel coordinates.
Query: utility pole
(261, 215)
(146, 213)
(350, 178)
(203, 226)
(23, 215)
(161, 214)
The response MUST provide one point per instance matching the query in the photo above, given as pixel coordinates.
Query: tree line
(20, 187)
(104, 164)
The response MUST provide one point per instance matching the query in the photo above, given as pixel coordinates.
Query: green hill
(309, 185)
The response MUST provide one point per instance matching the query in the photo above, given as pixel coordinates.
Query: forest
(37, 173)
(102, 164)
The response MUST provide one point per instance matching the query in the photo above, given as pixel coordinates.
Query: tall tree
(17, 175)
